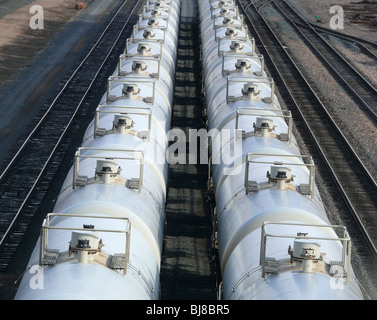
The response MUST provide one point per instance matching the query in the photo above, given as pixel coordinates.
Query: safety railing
(255, 81)
(270, 113)
(124, 110)
(344, 239)
(307, 161)
(46, 227)
(130, 81)
(134, 155)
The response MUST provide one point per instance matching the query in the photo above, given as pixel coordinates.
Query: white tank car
(104, 238)
(273, 235)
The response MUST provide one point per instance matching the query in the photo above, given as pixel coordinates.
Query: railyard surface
(32, 77)
(186, 260)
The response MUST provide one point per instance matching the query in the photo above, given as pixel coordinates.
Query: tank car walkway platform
(187, 272)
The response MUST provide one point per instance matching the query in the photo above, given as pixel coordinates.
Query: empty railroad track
(338, 166)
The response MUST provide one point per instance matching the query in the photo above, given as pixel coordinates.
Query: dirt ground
(19, 42)
(33, 62)
(310, 9)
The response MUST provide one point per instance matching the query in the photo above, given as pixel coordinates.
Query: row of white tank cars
(274, 238)
(273, 235)
(104, 238)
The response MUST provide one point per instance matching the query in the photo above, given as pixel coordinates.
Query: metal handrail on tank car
(270, 113)
(143, 79)
(345, 239)
(309, 164)
(244, 56)
(125, 57)
(124, 110)
(43, 250)
(346, 252)
(252, 40)
(247, 79)
(138, 155)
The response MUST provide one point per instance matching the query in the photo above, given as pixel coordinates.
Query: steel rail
(371, 112)
(343, 35)
(367, 46)
(329, 64)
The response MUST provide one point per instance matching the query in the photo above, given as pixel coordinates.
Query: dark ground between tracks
(187, 270)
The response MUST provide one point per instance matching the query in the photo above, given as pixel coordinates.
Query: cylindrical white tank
(104, 239)
(273, 235)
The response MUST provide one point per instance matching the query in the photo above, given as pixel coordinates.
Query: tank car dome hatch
(148, 34)
(263, 126)
(223, 4)
(86, 245)
(160, 3)
(224, 12)
(305, 251)
(122, 123)
(242, 65)
(231, 32)
(138, 66)
(227, 21)
(106, 171)
(236, 46)
(153, 22)
(143, 48)
(250, 90)
(130, 91)
(155, 12)
(279, 172)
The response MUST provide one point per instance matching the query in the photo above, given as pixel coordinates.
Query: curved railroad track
(31, 171)
(345, 175)
(353, 81)
(369, 48)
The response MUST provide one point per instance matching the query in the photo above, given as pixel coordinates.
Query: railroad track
(338, 163)
(353, 81)
(30, 173)
(367, 47)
